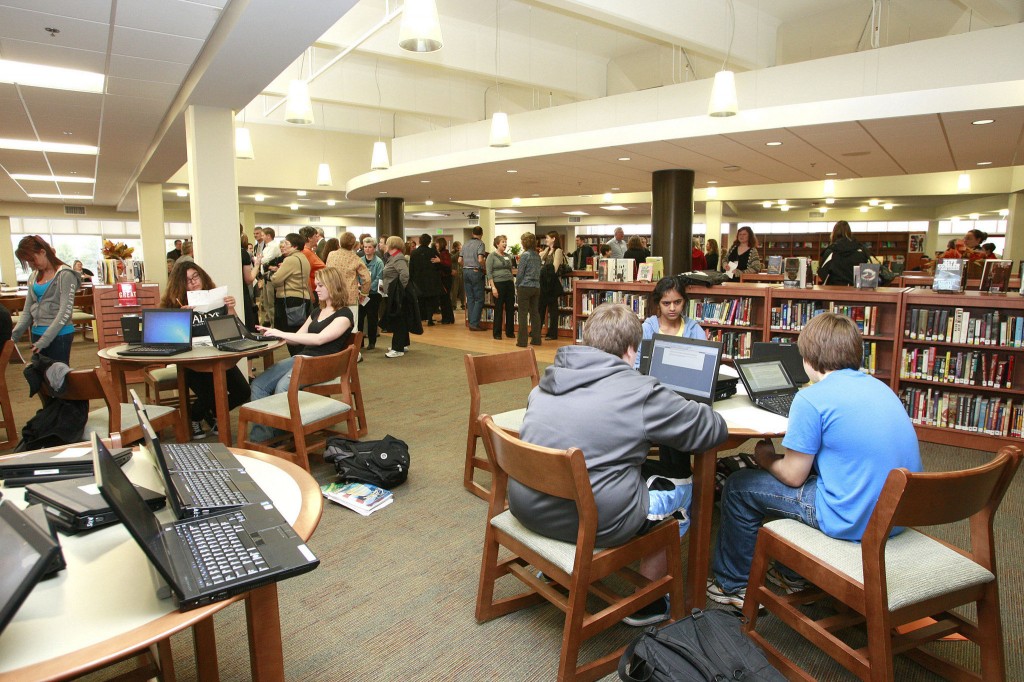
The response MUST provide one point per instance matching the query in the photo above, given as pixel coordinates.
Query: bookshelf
(589, 293)
(962, 380)
(565, 310)
(595, 240)
(886, 245)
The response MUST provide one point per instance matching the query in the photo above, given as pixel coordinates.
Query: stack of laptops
(768, 384)
(687, 366)
(208, 559)
(75, 505)
(227, 334)
(28, 552)
(40, 466)
(165, 331)
(200, 478)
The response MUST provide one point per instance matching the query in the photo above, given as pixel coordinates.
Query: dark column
(390, 216)
(672, 219)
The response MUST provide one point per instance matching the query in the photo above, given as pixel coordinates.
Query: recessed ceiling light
(516, 201)
(983, 121)
(615, 207)
(712, 192)
(68, 132)
(863, 209)
(712, 182)
(300, 192)
(784, 208)
(974, 216)
(382, 192)
(429, 214)
(293, 206)
(887, 207)
(607, 197)
(49, 178)
(49, 147)
(873, 202)
(1003, 212)
(575, 213)
(625, 158)
(39, 76)
(782, 202)
(831, 175)
(182, 192)
(429, 202)
(507, 210)
(259, 197)
(425, 182)
(730, 169)
(829, 200)
(535, 195)
(615, 189)
(511, 170)
(772, 144)
(766, 204)
(331, 202)
(61, 196)
(984, 163)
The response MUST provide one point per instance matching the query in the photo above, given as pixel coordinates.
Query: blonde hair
(330, 277)
(831, 341)
(613, 328)
(395, 242)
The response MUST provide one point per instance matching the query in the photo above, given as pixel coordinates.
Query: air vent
(575, 219)
(815, 214)
(74, 210)
(313, 218)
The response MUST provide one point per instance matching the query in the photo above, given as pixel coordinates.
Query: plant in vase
(115, 257)
(515, 249)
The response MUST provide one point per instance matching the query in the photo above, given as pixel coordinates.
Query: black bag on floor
(383, 463)
(708, 645)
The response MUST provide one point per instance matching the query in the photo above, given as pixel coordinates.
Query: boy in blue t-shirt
(846, 432)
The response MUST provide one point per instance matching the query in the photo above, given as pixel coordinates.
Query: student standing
(528, 290)
(395, 275)
(49, 302)
(368, 311)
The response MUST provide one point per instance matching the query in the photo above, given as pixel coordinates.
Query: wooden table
(199, 359)
(103, 607)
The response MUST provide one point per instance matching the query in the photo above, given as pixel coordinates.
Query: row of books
(972, 367)
(964, 411)
(794, 315)
(992, 328)
(360, 497)
(869, 363)
(590, 300)
(864, 316)
(734, 344)
(736, 311)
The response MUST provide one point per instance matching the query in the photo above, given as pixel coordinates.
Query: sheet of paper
(207, 300)
(71, 453)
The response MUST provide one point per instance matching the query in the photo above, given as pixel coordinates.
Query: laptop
(788, 353)
(39, 466)
(165, 331)
(226, 334)
(75, 504)
(209, 559)
(768, 384)
(200, 478)
(687, 366)
(28, 553)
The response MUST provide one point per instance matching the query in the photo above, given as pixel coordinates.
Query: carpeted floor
(393, 598)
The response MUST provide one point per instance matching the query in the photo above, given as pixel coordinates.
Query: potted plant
(514, 250)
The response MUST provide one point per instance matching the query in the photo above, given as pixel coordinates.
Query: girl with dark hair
(975, 255)
(49, 302)
(841, 255)
(743, 256)
(668, 301)
(551, 290)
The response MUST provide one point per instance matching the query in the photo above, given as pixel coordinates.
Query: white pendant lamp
(243, 144)
(723, 93)
(299, 109)
(380, 161)
(963, 183)
(501, 136)
(323, 175)
(420, 30)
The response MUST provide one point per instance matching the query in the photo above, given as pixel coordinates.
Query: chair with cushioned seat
(158, 380)
(10, 430)
(886, 583)
(352, 392)
(300, 412)
(489, 369)
(577, 570)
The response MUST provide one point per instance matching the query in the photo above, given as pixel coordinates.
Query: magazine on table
(361, 497)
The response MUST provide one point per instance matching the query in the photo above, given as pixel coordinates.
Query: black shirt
(316, 325)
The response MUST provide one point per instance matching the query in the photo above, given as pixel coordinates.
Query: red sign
(127, 294)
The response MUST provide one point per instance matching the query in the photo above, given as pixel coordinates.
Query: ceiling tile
(918, 143)
(170, 17)
(129, 87)
(74, 33)
(131, 42)
(147, 69)
(93, 10)
(53, 54)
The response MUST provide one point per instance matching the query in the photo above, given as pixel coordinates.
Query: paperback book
(361, 497)
(995, 276)
(795, 272)
(657, 264)
(950, 275)
(774, 265)
(644, 272)
(865, 275)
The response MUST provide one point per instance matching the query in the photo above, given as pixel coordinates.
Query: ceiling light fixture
(420, 30)
(379, 159)
(963, 183)
(1003, 212)
(625, 158)
(887, 207)
(608, 197)
(299, 107)
(784, 208)
(830, 200)
(782, 202)
(984, 163)
(831, 175)
(293, 206)
(425, 182)
(55, 77)
(575, 213)
(712, 192)
(259, 197)
(516, 201)
(873, 202)
(983, 121)
(772, 144)
(766, 204)
(614, 207)
(331, 202)
(723, 93)
(710, 182)
(863, 209)
(300, 192)
(508, 211)
(429, 202)
(48, 147)
(82, 197)
(243, 142)
(501, 134)
(973, 216)
(511, 170)
(323, 170)
(829, 187)
(49, 178)
(182, 192)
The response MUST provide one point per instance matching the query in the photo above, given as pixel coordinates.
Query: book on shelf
(955, 366)
(995, 276)
(657, 264)
(624, 269)
(360, 497)
(795, 272)
(127, 294)
(866, 275)
(774, 265)
(644, 272)
(973, 412)
(950, 275)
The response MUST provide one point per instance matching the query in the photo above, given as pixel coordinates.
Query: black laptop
(687, 366)
(75, 505)
(768, 384)
(39, 466)
(165, 331)
(212, 558)
(200, 478)
(28, 551)
(226, 332)
(789, 353)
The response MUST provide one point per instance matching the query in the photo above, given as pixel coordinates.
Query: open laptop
(768, 384)
(788, 353)
(200, 478)
(226, 334)
(28, 551)
(687, 366)
(39, 466)
(209, 559)
(165, 331)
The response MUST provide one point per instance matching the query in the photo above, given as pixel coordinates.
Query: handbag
(295, 314)
(707, 645)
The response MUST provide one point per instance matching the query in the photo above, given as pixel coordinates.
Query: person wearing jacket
(634, 411)
(49, 302)
(396, 270)
(839, 257)
(528, 290)
(368, 311)
(668, 300)
(290, 280)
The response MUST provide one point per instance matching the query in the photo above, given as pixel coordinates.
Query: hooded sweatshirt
(838, 259)
(594, 401)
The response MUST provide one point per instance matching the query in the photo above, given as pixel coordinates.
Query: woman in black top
(744, 253)
(326, 331)
(841, 255)
(635, 250)
(711, 254)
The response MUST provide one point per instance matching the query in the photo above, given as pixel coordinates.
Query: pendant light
(323, 171)
(723, 93)
(501, 135)
(963, 183)
(379, 160)
(420, 30)
(299, 107)
(243, 141)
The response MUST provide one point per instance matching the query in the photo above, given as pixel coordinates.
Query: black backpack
(383, 463)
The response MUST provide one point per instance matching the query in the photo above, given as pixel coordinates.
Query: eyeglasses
(194, 279)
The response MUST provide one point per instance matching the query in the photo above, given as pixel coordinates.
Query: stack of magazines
(361, 497)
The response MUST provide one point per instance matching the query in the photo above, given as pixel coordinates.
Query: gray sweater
(596, 402)
(53, 310)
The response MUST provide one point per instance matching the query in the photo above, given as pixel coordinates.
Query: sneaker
(655, 612)
(394, 354)
(788, 585)
(214, 430)
(360, 358)
(717, 594)
(197, 431)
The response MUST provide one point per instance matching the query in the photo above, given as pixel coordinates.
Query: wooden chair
(161, 379)
(579, 569)
(114, 416)
(301, 412)
(489, 369)
(10, 429)
(353, 393)
(888, 582)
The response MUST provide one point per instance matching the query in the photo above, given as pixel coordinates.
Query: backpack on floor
(383, 463)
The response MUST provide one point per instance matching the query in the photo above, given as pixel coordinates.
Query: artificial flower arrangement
(119, 250)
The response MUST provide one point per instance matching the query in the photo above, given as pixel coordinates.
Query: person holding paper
(187, 277)
(743, 256)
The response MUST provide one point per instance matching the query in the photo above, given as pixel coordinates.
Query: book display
(995, 276)
(891, 247)
(866, 275)
(950, 275)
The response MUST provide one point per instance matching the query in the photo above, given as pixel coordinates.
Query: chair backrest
(355, 340)
(309, 370)
(489, 369)
(93, 384)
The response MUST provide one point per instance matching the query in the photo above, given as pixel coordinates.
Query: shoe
(430, 323)
(197, 431)
(371, 346)
(717, 594)
(521, 345)
(394, 354)
(655, 612)
(475, 329)
(360, 358)
(551, 338)
(788, 585)
(535, 343)
(497, 338)
(214, 430)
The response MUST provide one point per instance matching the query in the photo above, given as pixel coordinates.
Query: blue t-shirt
(857, 430)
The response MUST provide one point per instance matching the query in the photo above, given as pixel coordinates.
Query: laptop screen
(26, 552)
(166, 326)
(223, 328)
(767, 376)
(687, 366)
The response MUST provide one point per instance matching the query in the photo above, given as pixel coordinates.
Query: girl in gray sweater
(50, 300)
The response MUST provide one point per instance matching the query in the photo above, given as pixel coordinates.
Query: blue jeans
(473, 280)
(274, 380)
(59, 349)
(749, 496)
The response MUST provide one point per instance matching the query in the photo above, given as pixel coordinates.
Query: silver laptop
(226, 334)
(768, 384)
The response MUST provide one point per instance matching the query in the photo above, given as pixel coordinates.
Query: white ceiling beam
(996, 12)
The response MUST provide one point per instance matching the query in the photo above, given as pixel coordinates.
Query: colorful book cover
(361, 497)
(657, 264)
(995, 276)
(950, 275)
(127, 294)
(774, 265)
(644, 272)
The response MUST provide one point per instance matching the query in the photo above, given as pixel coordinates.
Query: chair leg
(758, 571)
(471, 466)
(990, 635)
(301, 456)
(488, 574)
(572, 632)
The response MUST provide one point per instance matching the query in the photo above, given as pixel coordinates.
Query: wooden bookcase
(108, 316)
(734, 314)
(885, 245)
(588, 293)
(565, 310)
(949, 401)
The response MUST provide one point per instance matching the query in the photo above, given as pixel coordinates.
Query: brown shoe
(475, 329)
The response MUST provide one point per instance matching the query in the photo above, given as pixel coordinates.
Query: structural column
(8, 268)
(488, 221)
(672, 219)
(1014, 249)
(390, 216)
(713, 223)
(151, 225)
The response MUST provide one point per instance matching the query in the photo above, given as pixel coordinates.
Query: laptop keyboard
(222, 548)
(193, 457)
(213, 488)
(241, 345)
(779, 404)
(154, 350)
